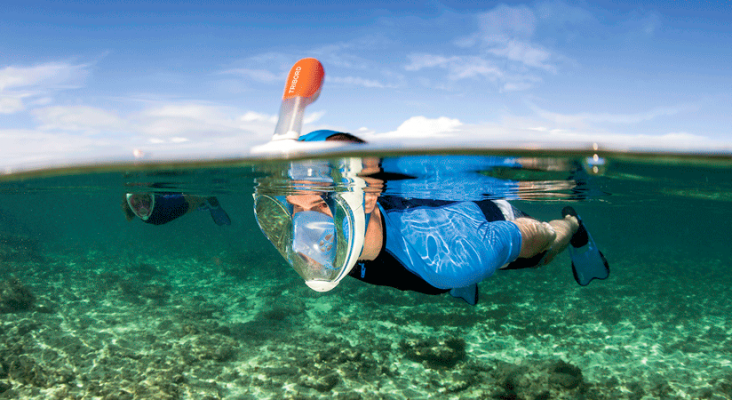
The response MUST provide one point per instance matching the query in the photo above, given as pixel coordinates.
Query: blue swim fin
(219, 216)
(588, 262)
(467, 293)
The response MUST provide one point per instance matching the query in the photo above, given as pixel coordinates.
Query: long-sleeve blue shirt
(442, 243)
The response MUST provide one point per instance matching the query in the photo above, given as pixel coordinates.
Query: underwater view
(100, 300)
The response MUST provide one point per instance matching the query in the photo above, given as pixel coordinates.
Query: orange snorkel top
(304, 80)
(302, 88)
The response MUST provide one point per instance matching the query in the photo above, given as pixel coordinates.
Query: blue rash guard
(168, 206)
(432, 246)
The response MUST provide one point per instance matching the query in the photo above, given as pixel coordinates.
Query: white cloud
(77, 118)
(420, 61)
(458, 67)
(582, 119)
(523, 52)
(516, 83)
(172, 140)
(34, 82)
(49, 75)
(340, 54)
(209, 127)
(190, 131)
(41, 101)
(184, 111)
(504, 23)
(82, 134)
(559, 14)
(506, 32)
(504, 51)
(472, 67)
(185, 119)
(313, 117)
(251, 116)
(30, 148)
(349, 54)
(422, 127)
(354, 81)
(516, 132)
(10, 105)
(167, 123)
(280, 60)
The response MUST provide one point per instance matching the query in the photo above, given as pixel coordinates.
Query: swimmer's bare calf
(552, 237)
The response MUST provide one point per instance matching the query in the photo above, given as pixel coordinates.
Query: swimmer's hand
(536, 236)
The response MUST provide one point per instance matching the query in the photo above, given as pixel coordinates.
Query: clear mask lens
(275, 221)
(314, 244)
(141, 204)
(317, 243)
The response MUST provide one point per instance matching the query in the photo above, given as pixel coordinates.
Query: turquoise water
(94, 306)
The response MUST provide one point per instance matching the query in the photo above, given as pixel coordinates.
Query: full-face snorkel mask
(141, 204)
(321, 243)
(319, 227)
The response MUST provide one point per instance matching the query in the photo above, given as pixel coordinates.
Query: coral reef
(435, 353)
(149, 330)
(19, 248)
(15, 297)
(565, 375)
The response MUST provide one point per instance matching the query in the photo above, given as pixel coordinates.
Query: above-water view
(154, 282)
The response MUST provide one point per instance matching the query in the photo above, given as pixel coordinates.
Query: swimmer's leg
(564, 229)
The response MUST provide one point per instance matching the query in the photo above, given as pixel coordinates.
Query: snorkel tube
(273, 212)
(301, 89)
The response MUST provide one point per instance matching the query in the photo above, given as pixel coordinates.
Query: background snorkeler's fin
(467, 293)
(588, 262)
(219, 216)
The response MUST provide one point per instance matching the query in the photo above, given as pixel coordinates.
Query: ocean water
(93, 306)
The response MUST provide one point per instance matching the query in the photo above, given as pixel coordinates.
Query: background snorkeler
(161, 208)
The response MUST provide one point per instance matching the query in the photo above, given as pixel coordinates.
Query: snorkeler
(427, 246)
(161, 208)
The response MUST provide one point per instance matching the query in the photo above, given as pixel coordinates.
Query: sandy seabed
(91, 326)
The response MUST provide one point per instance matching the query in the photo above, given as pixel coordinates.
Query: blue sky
(107, 77)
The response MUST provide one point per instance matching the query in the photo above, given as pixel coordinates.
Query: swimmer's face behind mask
(313, 233)
(314, 241)
(141, 204)
(319, 225)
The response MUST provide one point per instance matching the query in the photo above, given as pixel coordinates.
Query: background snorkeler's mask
(322, 245)
(141, 204)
